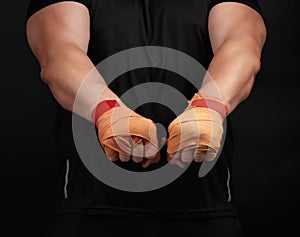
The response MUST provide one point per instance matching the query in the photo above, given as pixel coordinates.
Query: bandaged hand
(196, 133)
(126, 135)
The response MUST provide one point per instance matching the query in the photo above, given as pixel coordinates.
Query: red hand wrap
(103, 107)
(211, 104)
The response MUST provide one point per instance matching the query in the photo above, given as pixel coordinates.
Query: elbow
(247, 90)
(255, 64)
(47, 73)
(254, 67)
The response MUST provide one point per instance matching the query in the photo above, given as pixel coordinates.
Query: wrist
(103, 107)
(210, 103)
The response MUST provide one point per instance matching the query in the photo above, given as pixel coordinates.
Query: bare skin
(237, 34)
(59, 36)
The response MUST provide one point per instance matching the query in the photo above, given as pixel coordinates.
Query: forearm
(232, 71)
(64, 69)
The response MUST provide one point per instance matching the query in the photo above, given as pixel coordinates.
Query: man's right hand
(126, 135)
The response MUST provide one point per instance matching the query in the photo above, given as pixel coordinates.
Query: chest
(148, 16)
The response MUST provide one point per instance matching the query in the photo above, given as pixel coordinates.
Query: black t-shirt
(117, 25)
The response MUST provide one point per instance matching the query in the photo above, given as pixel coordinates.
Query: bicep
(231, 20)
(57, 25)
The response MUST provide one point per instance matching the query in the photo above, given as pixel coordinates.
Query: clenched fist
(126, 135)
(196, 133)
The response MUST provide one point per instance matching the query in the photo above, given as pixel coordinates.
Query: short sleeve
(251, 3)
(36, 5)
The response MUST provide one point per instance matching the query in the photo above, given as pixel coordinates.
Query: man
(70, 37)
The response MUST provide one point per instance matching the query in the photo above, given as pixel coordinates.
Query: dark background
(266, 127)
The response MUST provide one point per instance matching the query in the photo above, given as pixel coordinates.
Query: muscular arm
(58, 36)
(237, 35)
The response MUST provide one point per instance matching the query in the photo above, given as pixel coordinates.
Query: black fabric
(78, 226)
(118, 25)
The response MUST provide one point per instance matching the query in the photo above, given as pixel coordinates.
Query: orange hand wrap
(117, 126)
(199, 128)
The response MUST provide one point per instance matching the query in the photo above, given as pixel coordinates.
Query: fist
(195, 134)
(126, 135)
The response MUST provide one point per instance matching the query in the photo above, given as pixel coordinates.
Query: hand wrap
(198, 129)
(117, 124)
